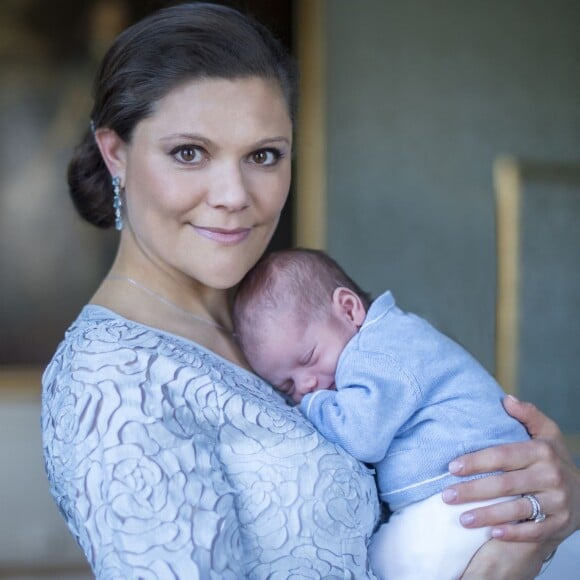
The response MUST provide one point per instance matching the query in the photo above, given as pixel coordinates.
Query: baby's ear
(348, 304)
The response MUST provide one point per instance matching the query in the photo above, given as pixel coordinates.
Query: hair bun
(89, 184)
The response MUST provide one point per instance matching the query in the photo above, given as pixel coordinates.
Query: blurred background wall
(421, 98)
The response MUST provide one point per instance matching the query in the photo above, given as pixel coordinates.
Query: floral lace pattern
(169, 462)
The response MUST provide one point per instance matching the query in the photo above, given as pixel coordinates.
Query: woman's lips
(223, 236)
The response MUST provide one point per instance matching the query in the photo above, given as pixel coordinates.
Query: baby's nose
(309, 383)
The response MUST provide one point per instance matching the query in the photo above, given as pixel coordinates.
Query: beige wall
(33, 535)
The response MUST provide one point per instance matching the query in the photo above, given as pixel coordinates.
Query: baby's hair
(299, 279)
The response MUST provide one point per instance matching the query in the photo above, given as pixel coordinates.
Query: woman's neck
(173, 304)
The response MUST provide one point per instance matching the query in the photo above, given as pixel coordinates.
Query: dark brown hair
(155, 55)
(300, 279)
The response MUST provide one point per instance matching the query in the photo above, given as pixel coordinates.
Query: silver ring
(537, 515)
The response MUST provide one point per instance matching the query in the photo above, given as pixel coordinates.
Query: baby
(386, 386)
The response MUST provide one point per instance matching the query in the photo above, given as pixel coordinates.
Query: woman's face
(206, 177)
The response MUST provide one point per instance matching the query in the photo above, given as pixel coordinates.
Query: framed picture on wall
(50, 261)
(538, 299)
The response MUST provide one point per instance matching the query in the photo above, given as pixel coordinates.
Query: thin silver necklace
(167, 302)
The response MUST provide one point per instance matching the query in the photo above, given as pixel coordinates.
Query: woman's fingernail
(449, 495)
(455, 466)
(467, 519)
(513, 398)
(497, 533)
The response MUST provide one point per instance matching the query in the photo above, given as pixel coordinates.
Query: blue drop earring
(117, 203)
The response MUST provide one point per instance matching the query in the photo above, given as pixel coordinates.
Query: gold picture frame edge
(310, 228)
(506, 172)
(509, 173)
(21, 380)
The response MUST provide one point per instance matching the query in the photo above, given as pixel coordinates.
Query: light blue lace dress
(167, 461)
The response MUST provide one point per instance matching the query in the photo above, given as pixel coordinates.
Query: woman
(166, 456)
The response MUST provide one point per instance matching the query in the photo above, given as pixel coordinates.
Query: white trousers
(425, 540)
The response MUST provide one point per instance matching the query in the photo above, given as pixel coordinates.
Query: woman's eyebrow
(267, 140)
(186, 137)
(200, 138)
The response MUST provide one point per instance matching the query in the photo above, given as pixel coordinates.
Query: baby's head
(294, 312)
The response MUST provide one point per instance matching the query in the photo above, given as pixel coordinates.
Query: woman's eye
(265, 156)
(187, 154)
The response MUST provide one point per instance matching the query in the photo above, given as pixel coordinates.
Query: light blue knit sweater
(409, 400)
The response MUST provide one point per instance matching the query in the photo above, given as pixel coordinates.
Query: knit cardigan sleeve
(375, 396)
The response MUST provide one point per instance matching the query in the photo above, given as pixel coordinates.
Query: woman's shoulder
(111, 376)
(107, 353)
(101, 339)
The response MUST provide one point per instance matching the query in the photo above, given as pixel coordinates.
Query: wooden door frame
(310, 181)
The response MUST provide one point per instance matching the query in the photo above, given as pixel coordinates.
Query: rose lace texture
(168, 462)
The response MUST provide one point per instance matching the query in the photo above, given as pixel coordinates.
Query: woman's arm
(506, 561)
(129, 462)
(542, 466)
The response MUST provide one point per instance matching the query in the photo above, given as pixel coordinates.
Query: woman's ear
(347, 304)
(114, 151)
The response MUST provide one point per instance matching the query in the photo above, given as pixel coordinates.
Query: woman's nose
(229, 190)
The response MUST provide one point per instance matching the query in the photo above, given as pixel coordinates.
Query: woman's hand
(542, 467)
